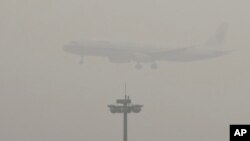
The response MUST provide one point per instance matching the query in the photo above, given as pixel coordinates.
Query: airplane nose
(69, 46)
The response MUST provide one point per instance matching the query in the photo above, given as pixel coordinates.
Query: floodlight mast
(125, 109)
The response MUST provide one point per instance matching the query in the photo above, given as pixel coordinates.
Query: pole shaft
(125, 135)
(125, 121)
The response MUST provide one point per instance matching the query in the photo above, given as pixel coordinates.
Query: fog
(46, 95)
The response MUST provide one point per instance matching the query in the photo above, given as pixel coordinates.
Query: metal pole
(125, 135)
(125, 118)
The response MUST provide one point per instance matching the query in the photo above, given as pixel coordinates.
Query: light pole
(125, 108)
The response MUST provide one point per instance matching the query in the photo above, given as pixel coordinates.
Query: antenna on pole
(125, 90)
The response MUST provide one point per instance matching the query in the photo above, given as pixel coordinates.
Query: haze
(46, 95)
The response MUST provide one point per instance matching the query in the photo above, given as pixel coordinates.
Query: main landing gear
(138, 66)
(153, 66)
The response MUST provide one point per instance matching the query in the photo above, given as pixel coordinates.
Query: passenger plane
(127, 52)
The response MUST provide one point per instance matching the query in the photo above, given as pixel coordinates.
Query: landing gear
(81, 61)
(138, 66)
(153, 66)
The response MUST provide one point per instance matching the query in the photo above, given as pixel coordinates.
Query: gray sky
(45, 95)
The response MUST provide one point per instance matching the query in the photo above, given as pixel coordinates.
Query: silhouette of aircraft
(127, 52)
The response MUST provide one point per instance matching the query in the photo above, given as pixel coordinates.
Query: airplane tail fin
(218, 37)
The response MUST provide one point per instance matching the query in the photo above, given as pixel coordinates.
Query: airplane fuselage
(131, 53)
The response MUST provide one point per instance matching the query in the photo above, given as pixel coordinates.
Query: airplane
(127, 52)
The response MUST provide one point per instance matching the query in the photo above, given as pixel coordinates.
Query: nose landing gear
(81, 61)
